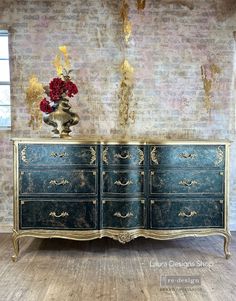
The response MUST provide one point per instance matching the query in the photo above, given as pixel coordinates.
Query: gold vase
(61, 119)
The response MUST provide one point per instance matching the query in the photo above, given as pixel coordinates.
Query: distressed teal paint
(123, 214)
(36, 214)
(51, 181)
(56, 154)
(164, 213)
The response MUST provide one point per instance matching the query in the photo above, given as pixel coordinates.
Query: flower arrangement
(60, 87)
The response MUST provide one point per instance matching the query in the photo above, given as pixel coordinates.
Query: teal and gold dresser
(84, 190)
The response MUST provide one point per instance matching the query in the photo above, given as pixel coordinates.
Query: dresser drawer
(123, 214)
(58, 182)
(185, 181)
(187, 156)
(191, 213)
(123, 155)
(54, 214)
(123, 182)
(57, 154)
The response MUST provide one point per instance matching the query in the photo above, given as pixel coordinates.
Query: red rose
(71, 89)
(57, 88)
(45, 106)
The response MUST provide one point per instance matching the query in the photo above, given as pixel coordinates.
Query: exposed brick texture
(169, 43)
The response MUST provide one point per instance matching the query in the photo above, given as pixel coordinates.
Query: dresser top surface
(115, 140)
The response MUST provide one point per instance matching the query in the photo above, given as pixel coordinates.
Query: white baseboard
(6, 228)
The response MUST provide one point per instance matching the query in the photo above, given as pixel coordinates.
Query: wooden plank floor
(105, 270)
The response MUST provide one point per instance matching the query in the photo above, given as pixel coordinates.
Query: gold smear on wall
(34, 94)
(125, 95)
(209, 73)
(141, 4)
(124, 13)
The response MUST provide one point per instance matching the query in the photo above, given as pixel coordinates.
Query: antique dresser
(84, 190)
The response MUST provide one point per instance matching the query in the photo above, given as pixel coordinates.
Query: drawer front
(123, 155)
(56, 214)
(123, 214)
(123, 182)
(57, 154)
(187, 156)
(181, 214)
(57, 182)
(187, 182)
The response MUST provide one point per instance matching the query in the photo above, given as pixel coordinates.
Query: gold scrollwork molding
(154, 155)
(141, 156)
(124, 237)
(219, 156)
(93, 155)
(23, 155)
(104, 155)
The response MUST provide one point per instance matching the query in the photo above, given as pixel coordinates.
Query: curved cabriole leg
(226, 246)
(16, 246)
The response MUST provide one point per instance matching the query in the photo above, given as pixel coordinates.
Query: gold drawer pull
(188, 183)
(63, 214)
(119, 183)
(118, 214)
(192, 213)
(61, 155)
(59, 183)
(119, 156)
(187, 156)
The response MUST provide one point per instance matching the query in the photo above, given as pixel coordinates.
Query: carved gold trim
(23, 155)
(154, 155)
(93, 155)
(141, 156)
(120, 235)
(104, 155)
(219, 156)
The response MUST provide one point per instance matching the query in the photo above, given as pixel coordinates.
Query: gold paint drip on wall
(124, 13)
(125, 95)
(34, 94)
(208, 73)
(141, 4)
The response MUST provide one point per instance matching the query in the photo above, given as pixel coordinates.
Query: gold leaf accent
(124, 13)
(141, 4)
(208, 73)
(125, 95)
(34, 94)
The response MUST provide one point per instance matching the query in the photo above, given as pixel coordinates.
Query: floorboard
(105, 270)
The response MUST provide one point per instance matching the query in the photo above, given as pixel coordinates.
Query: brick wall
(169, 44)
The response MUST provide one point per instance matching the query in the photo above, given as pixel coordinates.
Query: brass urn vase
(61, 119)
